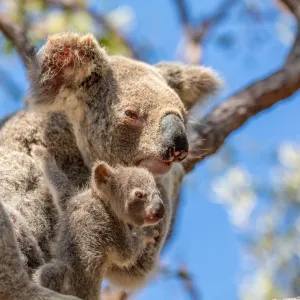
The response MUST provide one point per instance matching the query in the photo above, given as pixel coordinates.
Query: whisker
(197, 123)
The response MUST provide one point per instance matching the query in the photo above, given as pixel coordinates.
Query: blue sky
(205, 240)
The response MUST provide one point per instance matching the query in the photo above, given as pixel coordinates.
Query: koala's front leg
(131, 246)
(136, 275)
(128, 246)
(60, 186)
(144, 260)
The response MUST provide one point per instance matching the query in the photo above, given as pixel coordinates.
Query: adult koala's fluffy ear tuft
(192, 83)
(66, 63)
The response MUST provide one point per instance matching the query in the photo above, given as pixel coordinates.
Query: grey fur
(137, 274)
(90, 126)
(15, 283)
(94, 231)
(190, 82)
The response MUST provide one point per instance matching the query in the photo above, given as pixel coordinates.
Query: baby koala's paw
(150, 235)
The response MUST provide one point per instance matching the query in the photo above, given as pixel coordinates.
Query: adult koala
(110, 108)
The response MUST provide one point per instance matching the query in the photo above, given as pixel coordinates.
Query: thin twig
(195, 33)
(209, 22)
(184, 17)
(98, 18)
(185, 277)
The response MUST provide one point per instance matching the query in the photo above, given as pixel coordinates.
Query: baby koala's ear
(102, 173)
(192, 83)
(66, 63)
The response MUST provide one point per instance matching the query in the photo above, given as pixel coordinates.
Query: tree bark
(208, 137)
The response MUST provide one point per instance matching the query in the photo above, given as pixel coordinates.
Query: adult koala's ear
(192, 83)
(66, 64)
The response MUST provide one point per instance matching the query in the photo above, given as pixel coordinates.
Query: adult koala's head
(122, 111)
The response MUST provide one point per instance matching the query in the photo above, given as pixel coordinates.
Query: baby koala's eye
(131, 114)
(139, 195)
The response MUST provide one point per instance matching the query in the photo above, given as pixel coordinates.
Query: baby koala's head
(131, 193)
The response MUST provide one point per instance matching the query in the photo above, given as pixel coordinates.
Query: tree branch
(75, 6)
(208, 137)
(17, 36)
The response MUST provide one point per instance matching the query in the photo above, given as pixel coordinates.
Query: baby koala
(103, 225)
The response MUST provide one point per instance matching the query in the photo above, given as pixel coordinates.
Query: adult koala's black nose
(175, 143)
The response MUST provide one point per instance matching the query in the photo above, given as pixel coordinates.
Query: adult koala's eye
(131, 117)
(139, 195)
(131, 114)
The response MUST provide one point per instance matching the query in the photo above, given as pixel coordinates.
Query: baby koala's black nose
(157, 212)
(160, 212)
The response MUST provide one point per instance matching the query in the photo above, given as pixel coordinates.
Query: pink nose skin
(155, 216)
(176, 156)
(177, 153)
(182, 155)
